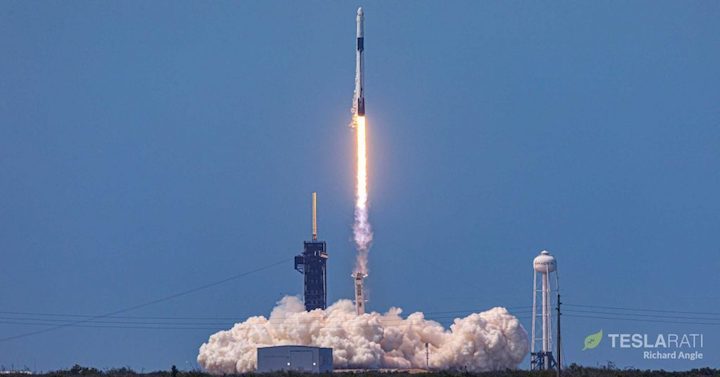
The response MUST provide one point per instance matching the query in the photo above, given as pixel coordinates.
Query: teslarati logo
(593, 340)
(662, 346)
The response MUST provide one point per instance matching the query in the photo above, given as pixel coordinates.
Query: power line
(642, 320)
(336, 325)
(55, 321)
(644, 315)
(272, 321)
(114, 326)
(228, 318)
(641, 310)
(115, 316)
(120, 324)
(148, 303)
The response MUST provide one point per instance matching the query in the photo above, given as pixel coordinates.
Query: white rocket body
(359, 97)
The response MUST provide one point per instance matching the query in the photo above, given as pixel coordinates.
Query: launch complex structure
(312, 263)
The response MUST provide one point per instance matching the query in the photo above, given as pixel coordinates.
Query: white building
(294, 358)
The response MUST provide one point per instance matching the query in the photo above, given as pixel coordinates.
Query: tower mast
(314, 216)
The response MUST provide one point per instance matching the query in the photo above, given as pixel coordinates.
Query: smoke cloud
(491, 340)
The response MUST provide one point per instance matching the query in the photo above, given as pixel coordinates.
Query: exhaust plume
(491, 340)
(362, 230)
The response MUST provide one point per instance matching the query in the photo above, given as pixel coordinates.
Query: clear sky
(147, 148)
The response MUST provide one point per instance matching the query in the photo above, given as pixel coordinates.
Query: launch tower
(359, 293)
(312, 263)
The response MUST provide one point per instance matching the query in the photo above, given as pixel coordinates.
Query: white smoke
(491, 340)
(362, 233)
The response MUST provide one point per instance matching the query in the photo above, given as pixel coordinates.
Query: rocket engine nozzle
(361, 106)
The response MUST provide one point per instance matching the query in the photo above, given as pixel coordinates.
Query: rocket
(359, 97)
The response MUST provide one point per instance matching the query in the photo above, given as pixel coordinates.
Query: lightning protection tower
(541, 357)
(312, 263)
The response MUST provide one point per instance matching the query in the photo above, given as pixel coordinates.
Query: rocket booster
(359, 100)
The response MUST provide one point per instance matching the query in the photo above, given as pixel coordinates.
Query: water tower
(541, 357)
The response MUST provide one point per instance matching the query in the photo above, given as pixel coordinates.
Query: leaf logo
(593, 340)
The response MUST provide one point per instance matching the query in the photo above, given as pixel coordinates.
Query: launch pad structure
(312, 263)
(358, 277)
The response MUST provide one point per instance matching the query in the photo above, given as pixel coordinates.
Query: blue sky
(151, 147)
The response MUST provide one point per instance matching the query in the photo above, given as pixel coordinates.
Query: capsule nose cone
(360, 12)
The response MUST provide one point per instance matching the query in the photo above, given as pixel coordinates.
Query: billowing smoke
(491, 340)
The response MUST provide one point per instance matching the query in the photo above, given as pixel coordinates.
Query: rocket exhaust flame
(362, 230)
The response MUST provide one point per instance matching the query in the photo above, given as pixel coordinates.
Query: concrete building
(294, 358)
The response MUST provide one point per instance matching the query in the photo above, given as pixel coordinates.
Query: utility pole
(557, 343)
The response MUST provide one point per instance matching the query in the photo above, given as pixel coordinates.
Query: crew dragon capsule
(359, 100)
